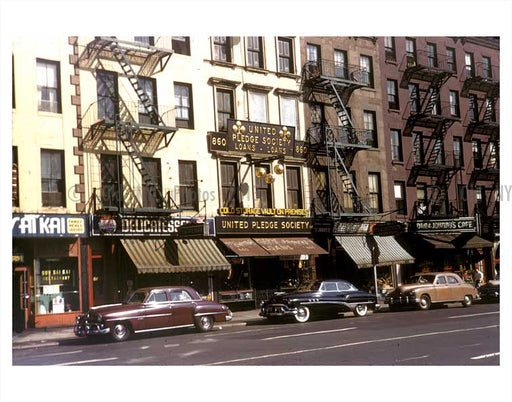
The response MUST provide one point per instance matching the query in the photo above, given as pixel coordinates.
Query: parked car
(422, 290)
(490, 292)
(152, 309)
(320, 297)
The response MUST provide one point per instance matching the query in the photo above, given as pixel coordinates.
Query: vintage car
(319, 298)
(490, 292)
(422, 290)
(152, 309)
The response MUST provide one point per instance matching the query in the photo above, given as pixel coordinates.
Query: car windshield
(422, 279)
(309, 286)
(136, 297)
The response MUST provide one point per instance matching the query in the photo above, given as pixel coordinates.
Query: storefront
(148, 250)
(448, 245)
(50, 269)
(267, 254)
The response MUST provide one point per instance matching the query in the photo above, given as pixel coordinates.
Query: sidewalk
(38, 337)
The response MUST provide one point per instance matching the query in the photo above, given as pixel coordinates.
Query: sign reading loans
(248, 137)
(444, 225)
(48, 225)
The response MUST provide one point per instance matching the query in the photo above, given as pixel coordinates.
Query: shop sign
(142, 225)
(359, 228)
(248, 137)
(387, 228)
(259, 225)
(18, 258)
(191, 230)
(263, 211)
(444, 225)
(48, 225)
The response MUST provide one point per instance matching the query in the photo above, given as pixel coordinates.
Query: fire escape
(428, 159)
(481, 86)
(138, 127)
(332, 148)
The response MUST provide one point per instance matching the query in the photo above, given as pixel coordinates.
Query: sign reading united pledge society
(254, 138)
(260, 225)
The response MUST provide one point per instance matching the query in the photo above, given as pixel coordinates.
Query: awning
(476, 242)
(441, 241)
(172, 256)
(387, 250)
(290, 246)
(244, 247)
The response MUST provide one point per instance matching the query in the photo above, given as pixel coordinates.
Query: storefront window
(57, 285)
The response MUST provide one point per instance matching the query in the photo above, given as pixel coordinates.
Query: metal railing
(342, 71)
(488, 72)
(425, 59)
(322, 134)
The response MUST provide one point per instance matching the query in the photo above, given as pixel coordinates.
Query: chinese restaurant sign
(48, 225)
(260, 225)
(444, 225)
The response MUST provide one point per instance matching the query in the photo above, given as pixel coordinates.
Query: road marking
(241, 332)
(473, 315)
(173, 345)
(344, 345)
(468, 346)
(194, 352)
(485, 356)
(208, 340)
(144, 347)
(309, 333)
(57, 354)
(87, 361)
(412, 358)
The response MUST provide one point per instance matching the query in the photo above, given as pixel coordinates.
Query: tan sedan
(434, 287)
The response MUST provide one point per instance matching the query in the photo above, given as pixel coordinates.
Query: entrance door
(20, 299)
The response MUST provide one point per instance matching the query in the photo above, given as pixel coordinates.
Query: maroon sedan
(152, 309)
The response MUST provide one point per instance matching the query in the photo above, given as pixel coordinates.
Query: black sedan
(490, 292)
(319, 298)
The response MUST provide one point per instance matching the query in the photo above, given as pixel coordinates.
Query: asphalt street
(441, 336)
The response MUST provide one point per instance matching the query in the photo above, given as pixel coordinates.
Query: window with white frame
(396, 145)
(222, 48)
(366, 65)
(255, 51)
(285, 49)
(375, 198)
(183, 105)
(289, 115)
(340, 64)
(48, 86)
(258, 107)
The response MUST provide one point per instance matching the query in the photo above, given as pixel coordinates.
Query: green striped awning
(173, 256)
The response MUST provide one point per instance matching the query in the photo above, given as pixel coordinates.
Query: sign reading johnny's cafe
(48, 225)
(247, 137)
(444, 225)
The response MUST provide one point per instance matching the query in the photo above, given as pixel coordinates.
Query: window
(229, 183)
(370, 125)
(441, 280)
(493, 156)
(434, 99)
(157, 297)
(258, 107)
(289, 115)
(476, 146)
(48, 88)
(111, 181)
(313, 52)
(293, 188)
(263, 197)
(400, 197)
(183, 104)
(180, 295)
(414, 98)
(375, 199)
(439, 149)
(340, 64)
(462, 195)
(417, 147)
(458, 156)
(15, 178)
(454, 103)
(188, 185)
(106, 91)
(451, 279)
(148, 85)
(366, 65)
(52, 178)
(147, 40)
(285, 46)
(396, 145)
(63, 272)
(421, 199)
(222, 48)
(393, 95)
(480, 199)
(225, 109)
(470, 65)
(473, 107)
(410, 49)
(149, 199)
(348, 202)
(389, 46)
(255, 51)
(432, 55)
(451, 62)
(329, 287)
(181, 45)
(486, 67)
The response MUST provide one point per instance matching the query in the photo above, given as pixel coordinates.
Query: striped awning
(173, 256)
(387, 251)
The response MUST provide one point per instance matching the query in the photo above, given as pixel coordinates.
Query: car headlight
(411, 293)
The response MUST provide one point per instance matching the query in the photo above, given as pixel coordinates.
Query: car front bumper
(277, 310)
(86, 329)
(401, 300)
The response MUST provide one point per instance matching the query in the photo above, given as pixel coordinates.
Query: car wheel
(425, 302)
(204, 323)
(120, 332)
(361, 310)
(468, 301)
(302, 314)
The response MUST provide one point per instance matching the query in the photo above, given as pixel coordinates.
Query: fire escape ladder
(436, 149)
(128, 70)
(431, 99)
(337, 103)
(489, 110)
